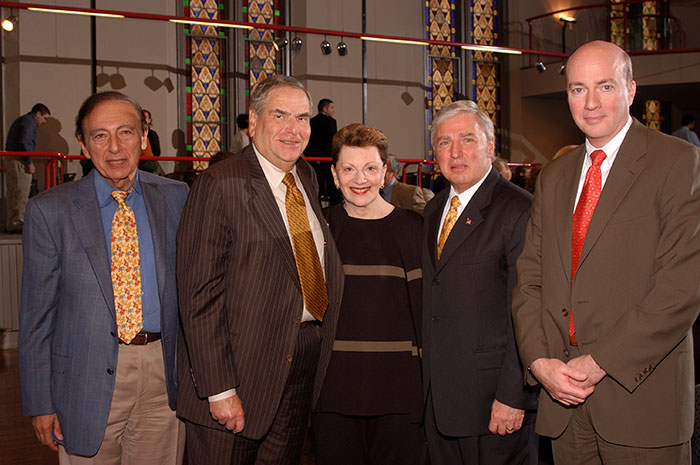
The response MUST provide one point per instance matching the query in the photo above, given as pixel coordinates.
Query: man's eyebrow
(121, 126)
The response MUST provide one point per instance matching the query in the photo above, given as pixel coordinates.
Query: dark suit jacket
(68, 333)
(635, 295)
(241, 300)
(469, 352)
(323, 128)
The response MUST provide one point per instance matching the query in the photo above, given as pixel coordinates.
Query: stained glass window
(618, 22)
(486, 90)
(261, 55)
(650, 38)
(440, 17)
(652, 114)
(206, 90)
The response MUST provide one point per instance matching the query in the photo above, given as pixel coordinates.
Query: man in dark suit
(98, 334)
(259, 308)
(323, 128)
(607, 281)
(400, 194)
(476, 401)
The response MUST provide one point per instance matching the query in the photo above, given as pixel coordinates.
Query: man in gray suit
(101, 388)
(257, 337)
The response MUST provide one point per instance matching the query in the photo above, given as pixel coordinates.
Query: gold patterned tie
(313, 286)
(449, 223)
(126, 269)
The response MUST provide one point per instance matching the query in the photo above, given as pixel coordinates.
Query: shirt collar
(104, 189)
(273, 174)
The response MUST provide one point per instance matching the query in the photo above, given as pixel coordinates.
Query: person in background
(400, 194)
(686, 131)
(152, 147)
(241, 139)
(370, 407)
(98, 313)
(502, 167)
(18, 171)
(323, 128)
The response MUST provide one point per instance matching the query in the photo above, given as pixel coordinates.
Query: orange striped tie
(313, 286)
(126, 269)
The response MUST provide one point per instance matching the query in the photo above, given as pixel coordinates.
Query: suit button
(436, 317)
(289, 357)
(110, 371)
(566, 353)
(564, 312)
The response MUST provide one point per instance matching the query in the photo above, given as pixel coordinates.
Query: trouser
(17, 182)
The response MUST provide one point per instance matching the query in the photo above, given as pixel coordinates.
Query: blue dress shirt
(149, 286)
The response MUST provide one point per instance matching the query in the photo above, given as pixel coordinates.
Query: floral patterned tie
(450, 220)
(313, 286)
(126, 269)
(582, 218)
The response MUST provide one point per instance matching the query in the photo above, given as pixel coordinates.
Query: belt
(143, 338)
(304, 324)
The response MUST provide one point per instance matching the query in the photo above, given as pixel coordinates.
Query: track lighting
(8, 23)
(325, 46)
(296, 44)
(342, 48)
(280, 43)
(540, 66)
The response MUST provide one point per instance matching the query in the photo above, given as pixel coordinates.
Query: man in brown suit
(257, 328)
(609, 339)
(403, 195)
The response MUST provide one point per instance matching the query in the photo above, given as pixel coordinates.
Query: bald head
(600, 90)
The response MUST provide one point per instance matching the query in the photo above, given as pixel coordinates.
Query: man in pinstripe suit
(251, 357)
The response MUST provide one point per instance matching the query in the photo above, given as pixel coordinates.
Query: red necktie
(582, 218)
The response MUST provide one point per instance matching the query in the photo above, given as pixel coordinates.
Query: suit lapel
(627, 166)
(564, 198)
(155, 207)
(265, 206)
(88, 226)
(470, 219)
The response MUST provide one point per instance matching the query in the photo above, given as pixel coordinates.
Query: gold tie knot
(455, 203)
(598, 157)
(120, 196)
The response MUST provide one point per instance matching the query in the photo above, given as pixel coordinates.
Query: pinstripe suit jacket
(241, 300)
(68, 333)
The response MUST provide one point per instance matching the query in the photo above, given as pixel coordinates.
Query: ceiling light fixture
(325, 46)
(342, 48)
(73, 12)
(296, 44)
(491, 48)
(8, 23)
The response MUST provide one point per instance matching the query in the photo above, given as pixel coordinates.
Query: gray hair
(393, 164)
(457, 108)
(258, 98)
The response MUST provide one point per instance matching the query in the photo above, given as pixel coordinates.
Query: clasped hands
(568, 383)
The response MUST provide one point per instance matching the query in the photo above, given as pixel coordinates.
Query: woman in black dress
(370, 405)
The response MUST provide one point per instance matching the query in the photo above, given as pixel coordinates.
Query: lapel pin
(469, 221)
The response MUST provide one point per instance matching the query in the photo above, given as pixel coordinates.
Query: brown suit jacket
(635, 295)
(240, 296)
(410, 197)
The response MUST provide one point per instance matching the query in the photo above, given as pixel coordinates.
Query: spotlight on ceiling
(325, 47)
(296, 44)
(8, 23)
(540, 66)
(280, 43)
(562, 68)
(342, 48)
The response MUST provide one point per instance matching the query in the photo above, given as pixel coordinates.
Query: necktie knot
(120, 196)
(289, 180)
(454, 202)
(598, 156)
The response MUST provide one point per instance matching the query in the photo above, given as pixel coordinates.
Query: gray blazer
(68, 334)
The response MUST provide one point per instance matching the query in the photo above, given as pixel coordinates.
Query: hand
(43, 426)
(229, 412)
(505, 419)
(559, 380)
(29, 168)
(586, 364)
